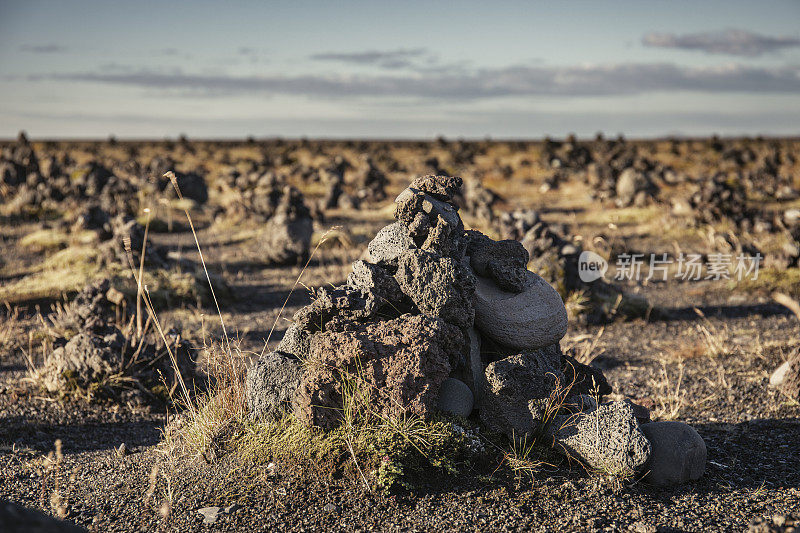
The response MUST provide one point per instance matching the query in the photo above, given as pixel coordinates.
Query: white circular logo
(591, 266)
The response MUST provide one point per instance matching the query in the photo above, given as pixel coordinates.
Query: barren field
(123, 398)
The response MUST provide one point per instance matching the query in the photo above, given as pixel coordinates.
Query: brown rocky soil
(706, 360)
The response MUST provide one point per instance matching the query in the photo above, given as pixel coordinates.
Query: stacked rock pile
(439, 318)
(555, 256)
(267, 197)
(93, 354)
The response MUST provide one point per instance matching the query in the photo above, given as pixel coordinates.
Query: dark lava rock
(678, 453)
(295, 342)
(398, 365)
(92, 308)
(503, 261)
(443, 188)
(584, 379)
(16, 518)
(518, 392)
(478, 201)
(371, 182)
(423, 214)
(606, 439)
(439, 286)
(633, 186)
(271, 383)
(191, 185)
(87, 358)
(389, 244)
(288, 232)
(345, 302)
(376, 279)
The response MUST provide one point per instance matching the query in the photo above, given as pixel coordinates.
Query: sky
(387, 69)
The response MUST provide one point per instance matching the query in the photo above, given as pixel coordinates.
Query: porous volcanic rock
(584, 379)
(389, 244)
(399, 365)
(444, 188)
(376, 279)
(295, 342)
(346, 302)
(607, 439)
(287, 234)
(86, 358)
(93, 354)
(478, 201)
(270, 384)
(518, 391)
(532, 319)
(503, 261)
(91, 308)
(439, 286)
(633, 187)
(432, 224)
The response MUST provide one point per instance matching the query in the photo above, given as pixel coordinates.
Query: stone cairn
(439, 318)
(92, 353)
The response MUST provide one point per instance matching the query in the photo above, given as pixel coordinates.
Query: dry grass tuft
(669, 397)
(584, 348)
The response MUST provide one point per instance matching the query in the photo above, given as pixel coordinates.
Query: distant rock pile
(555, 256)
(436, 318)
(266, 197)
(94, 355)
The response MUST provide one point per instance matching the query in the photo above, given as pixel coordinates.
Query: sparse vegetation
(711, 369)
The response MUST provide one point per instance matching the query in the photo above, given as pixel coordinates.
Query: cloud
(500, 124)
(730, 42)
(388, 59)
(520, 81)
(50, 48)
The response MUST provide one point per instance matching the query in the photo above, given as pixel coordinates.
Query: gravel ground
(751, 433)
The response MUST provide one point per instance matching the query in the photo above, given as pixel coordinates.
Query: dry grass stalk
(669, 397)
(322, 239)
(585, 346)
(139, 332)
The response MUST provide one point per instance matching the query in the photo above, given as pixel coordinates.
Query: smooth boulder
(678, 453)
(455, 398)
(529, 320)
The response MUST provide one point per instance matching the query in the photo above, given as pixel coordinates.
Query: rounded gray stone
(455, 398)
(532, 319)
(678, 453)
